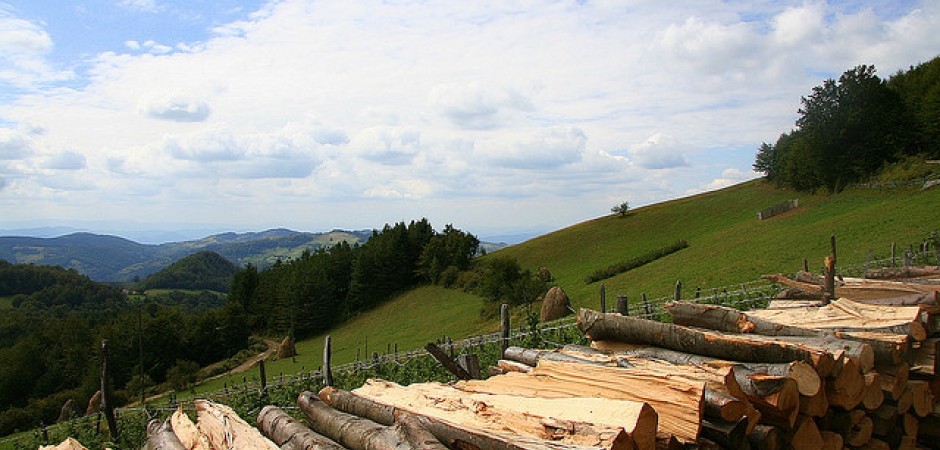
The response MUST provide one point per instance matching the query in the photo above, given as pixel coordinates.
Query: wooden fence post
(327, 372)
(678, 295)
(504, 328)
(623, 305)
(264, 378)
(894, 247)
(106, 405)
(603, 299)
(647, 311)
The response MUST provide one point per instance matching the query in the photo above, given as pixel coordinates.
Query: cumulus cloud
(547, 148)
(65, 161)
(659, 151)
(728, 177)
(801, 26)
(176, 108)
(24, 47)
(472, 106)
(13, 145)
(387, 145)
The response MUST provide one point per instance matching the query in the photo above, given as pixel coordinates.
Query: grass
(728, 245)
(410, 321)
(6, 302)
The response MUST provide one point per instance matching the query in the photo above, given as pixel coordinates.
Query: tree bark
(290, 434)
(597, 326)
(357, 433)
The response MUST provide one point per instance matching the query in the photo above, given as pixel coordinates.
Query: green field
(728, 245)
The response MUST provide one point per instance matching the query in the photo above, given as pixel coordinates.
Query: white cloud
(474, 107)
(65, 161)
(659, 151)
(548, 148)
(13, 145)
(24, 47)
(480, 111)
(174, 107)
(148, 6)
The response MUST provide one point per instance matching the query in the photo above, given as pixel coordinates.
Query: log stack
(855, 373)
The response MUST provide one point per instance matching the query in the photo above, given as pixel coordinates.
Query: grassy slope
(727, 245)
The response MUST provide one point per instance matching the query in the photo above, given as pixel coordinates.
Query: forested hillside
(50, 335)
(849, 129)
(200, 271)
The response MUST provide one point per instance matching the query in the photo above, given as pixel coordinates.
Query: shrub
(633, 263)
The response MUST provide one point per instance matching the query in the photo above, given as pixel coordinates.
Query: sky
(496, 117)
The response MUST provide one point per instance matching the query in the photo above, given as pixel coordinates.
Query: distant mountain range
(112, 258)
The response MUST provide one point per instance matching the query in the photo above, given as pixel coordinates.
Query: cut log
(225, 430)
(890, 273)
(766, 437)
(450, 434)
(925, 357)
(290, 434)
(887, 348)
(806, 435)
(447, 361)
(513, 366)
(576, 421)
(732, 435)
(68, 444)
(678, 400)
(846, 389)
(847, 315)
(816, 405)
(160, 436)
(874, 396)
(599, 326)
(854, 426)
(893, 380)
(355, 432)
(720, 400)
(186, 431)
(921, 397)
(806, 378)
(831, 440)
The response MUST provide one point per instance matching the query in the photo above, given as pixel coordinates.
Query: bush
(633, 263)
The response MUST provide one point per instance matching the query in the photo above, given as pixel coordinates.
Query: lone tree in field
(621, 209)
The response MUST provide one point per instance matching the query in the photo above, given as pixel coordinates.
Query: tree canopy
(849, 128)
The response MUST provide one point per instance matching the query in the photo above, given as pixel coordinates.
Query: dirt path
(243, 367)
(251, 362)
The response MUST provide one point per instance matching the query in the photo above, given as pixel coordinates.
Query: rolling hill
(728, 245)
(111, 258)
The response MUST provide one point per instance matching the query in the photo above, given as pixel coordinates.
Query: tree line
(849, 129)
(311, 294)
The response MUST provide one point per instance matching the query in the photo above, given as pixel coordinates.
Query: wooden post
(264, 378)
(603, 298)
(832, 245)
(894, 247)
(647, 312)
(678, 295)
(829, 281)
(623, 305)
(447, 361)
(327, 373)
(698, 292)
(504, 328)
(805, 265)
(106, 406)
(471, 363)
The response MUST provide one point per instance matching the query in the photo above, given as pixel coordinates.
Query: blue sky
(496, 117)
